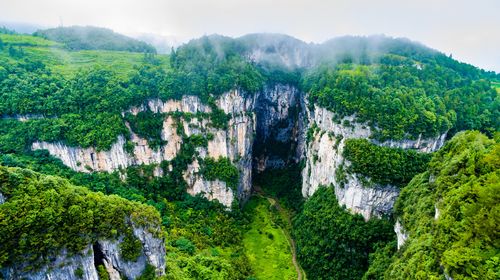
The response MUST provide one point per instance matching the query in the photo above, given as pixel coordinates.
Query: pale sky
(468, 29)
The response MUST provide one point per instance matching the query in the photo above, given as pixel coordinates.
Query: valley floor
(267, 241)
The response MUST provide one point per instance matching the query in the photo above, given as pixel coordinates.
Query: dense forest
(76, 86)
(384, 165)
(45, 214)
(451, 214)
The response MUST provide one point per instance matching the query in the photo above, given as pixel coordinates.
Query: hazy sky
(469, 29)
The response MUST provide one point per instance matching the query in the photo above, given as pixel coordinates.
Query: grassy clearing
(26, 40)
(266, 244)
(68, 63)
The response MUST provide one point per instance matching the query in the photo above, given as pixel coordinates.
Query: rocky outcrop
(401, 235)
(212, 190)
(425, 145)
(23, 118)
(62, 267)
(83, 265)
(367, 201)
(325, 162)
(2, 198)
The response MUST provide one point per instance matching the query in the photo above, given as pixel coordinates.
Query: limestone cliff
(264, 130)
(83, 265)
(235, 143)
(323, 156)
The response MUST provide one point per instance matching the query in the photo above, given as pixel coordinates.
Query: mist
(466, 29)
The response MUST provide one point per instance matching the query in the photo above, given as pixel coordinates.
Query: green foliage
(148, 125)
(284, 183)
(384, 165)
(149, 273)
(79, 272)
(380, 260)
(232, 266)
(130, 247)
(102, 273)
(400, 97)
(184, 245)
(331, 242)
(93, 38)
(53, 214)
(266, 244)
(213, 65)
(463, 242)
(220, 169)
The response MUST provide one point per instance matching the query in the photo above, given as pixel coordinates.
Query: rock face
(279, 126)
(401, 235)
(62, 267)
(235, 143)
(324, 163)
(67, 266)
(278, 116)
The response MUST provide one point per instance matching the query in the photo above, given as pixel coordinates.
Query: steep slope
(447, 216)
(69, 231)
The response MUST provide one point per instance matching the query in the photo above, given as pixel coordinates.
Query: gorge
(203, 163)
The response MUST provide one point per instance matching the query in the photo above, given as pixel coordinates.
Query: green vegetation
(401, 97)
(265, 242)
(44, 214)
(78, 97)
(284, 184)
(334, 244)
(463, 242)
(496, 85)
(213, 65)
(130, 247)
(148, 125)
(215, 233)
(93, 38)
(102, 273)
(79, 272)
(383, 165)
(220, 169)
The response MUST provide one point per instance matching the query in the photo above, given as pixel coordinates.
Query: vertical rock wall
(324, 158)
(234, 143)
(279, 126)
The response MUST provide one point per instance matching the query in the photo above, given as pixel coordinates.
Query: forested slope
(451, 214)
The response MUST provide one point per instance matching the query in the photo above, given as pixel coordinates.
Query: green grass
(68, 63)
(265, 243)
(26, 40)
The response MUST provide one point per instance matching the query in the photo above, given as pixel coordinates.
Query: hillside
(58, 218)
(332, 132)
(449, 215)
(94, 38)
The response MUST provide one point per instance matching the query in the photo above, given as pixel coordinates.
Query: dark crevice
(98, 256)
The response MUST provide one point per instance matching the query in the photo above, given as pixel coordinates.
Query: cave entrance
(280, 125)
